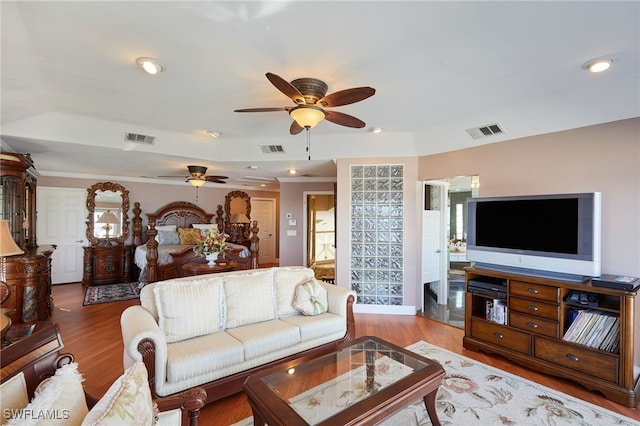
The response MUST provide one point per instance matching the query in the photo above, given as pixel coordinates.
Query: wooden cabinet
(540, 312)
(29, 278)
(18, 197)
(107, 264)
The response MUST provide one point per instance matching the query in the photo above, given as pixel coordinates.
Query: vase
(211, 258)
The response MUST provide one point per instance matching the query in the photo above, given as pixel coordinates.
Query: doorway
(320, 234)
(447, 305)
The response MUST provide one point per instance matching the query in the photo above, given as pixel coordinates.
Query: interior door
(264, 211)
(62, 214)
(434, 253)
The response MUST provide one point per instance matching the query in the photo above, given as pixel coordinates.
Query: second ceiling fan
(309, 95)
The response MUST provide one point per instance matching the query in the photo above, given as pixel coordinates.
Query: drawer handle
(573, 358)
(499, 335)
(532, 308)
(533, 290)
(532, 324)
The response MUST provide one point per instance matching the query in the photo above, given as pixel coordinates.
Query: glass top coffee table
(361, 383)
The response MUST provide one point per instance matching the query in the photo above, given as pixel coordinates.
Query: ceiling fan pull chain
(308, 146)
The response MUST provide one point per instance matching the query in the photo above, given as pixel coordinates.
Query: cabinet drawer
(535, 308)
(108, 266)
(501, 336)
(534, 291)
(589, 362)
(534, 325)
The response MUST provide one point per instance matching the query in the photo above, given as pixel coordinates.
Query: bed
(158, 254)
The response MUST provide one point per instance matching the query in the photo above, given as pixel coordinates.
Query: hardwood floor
(92, 334)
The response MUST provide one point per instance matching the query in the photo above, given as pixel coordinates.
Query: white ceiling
(71, 88)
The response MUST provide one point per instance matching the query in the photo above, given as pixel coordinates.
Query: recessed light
(376, 129)
(292, 171)
(150, 65)
(252, 167)
(598, 65)
(213, 134)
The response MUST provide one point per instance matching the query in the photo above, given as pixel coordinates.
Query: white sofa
(214, 330)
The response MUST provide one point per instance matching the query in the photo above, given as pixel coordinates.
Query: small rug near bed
(473, 393)
(97, 294)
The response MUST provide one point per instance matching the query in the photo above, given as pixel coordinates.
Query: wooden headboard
(180, 213)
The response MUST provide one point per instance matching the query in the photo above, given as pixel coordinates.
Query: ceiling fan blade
(213, 178)
(343, 119)
(261, 109)
(287, 88)
(347, 96)
(174, 176)
(295, 128)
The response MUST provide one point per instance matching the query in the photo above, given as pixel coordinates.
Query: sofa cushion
(188, 309)
(128, 401)
(310, 298)
(285, 280)
(189, 235)
(313, 327)
(195, 357)
(248, 298)
(61, 396)
(265, 337)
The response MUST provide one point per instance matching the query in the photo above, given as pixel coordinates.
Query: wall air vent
(139, 138)
(272, 149)
(484, 131)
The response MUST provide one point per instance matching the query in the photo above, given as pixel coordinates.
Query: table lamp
(107, 218)
(8, 247)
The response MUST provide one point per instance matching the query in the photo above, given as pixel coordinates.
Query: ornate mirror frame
(91, 206)
(232, 199)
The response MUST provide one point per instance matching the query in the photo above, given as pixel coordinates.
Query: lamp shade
(107, 217)
(307, 116)
(8, 246)
(240, 218)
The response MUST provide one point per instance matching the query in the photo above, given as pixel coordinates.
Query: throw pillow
(189, 236)
(190, 308)
(311, 298)
(168, 238)
(14, 396)
(60, 397)
(127, 402)
(173, 228)
(204, 227)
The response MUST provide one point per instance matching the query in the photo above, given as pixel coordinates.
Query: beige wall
(153, 196)
(603, 158)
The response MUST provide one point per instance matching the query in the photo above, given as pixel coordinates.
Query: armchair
(43, 386)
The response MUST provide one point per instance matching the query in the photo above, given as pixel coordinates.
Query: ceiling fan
(309, 95)
(197, 176)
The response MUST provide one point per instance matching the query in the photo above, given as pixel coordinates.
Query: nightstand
(107, 264)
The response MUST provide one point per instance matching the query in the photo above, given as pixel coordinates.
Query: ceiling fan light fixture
(149, 65)
(197, 182)
(307, 116)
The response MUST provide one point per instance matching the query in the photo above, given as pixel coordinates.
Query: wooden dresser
(107, 264)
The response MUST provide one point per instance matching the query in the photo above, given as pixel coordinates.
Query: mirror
(237, 208)
(107, 221)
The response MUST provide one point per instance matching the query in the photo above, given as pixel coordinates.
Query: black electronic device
(488, 286)
(617, 281)
(580, 298)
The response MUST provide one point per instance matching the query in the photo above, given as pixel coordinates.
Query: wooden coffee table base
(397, 376)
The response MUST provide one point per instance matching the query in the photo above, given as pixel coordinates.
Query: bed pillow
(204, 227)
(311, 298)
(168, 238)
(173, 228)
(127, 402)
(189, 236)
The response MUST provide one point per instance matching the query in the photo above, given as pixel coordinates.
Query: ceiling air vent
(484, 131)
(139, 138)
(272, 149)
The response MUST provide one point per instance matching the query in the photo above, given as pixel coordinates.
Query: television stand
(573, 278)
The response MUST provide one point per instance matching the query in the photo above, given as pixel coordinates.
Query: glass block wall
(376, 233)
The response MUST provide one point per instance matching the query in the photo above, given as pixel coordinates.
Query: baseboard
(384, 309)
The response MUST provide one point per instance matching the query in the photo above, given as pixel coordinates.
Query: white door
(62, 213)
(264, 211)
(434, 253)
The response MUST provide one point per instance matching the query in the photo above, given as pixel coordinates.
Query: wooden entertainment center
(533, 330)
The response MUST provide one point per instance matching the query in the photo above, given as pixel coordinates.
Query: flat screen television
(555, 234)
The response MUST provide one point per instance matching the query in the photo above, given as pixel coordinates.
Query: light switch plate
(291, 232)
(292, 222)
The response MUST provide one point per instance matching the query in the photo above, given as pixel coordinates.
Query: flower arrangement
(211, 242)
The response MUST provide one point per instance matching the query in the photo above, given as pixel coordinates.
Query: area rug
(97, 294)
(473, 393)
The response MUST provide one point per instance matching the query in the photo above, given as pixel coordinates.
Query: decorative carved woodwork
(18, 195)
(124, 209)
